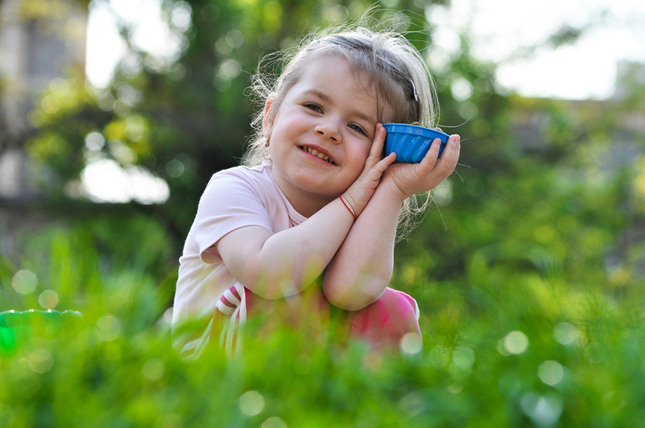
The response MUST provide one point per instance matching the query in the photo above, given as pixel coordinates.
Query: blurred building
(628, 76)
(547, 128)
(39, 41)
(534, 120)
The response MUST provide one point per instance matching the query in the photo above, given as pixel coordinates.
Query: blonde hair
(395, 71)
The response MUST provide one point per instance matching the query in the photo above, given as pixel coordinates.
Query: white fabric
(234, 198)
(231, 338)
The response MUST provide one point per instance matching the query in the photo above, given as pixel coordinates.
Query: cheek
(359, 156)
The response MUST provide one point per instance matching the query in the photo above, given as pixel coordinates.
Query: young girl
(315, 199)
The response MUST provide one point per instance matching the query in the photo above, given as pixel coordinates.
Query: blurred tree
(185, 116)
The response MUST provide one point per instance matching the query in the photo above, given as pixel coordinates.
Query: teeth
(318, 154)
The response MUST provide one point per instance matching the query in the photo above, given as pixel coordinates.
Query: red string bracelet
(347, 206)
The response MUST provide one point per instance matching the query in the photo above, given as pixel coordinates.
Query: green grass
(503, 346)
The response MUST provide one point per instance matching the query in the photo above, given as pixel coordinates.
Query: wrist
(389, 187)
(348, 206)
(352, 204)
(353, 201)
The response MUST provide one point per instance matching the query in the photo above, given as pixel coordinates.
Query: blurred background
(529, 267)
(114, 114)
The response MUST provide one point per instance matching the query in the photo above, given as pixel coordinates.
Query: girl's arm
(362, 268)
(276, 265)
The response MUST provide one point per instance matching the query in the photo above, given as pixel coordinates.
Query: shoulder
(239, 185)
(231, 180)
(243, 175)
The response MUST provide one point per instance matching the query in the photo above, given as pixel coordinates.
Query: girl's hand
(426, 175)
(359, 193)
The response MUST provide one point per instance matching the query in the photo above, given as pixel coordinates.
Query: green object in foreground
(15, 326)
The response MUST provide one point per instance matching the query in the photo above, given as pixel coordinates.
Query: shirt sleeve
(228, 203)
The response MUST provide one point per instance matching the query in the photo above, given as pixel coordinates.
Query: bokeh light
(40, 360)
(24, 281)
(551, 372)
(411, 343)
(48, 299)
(108, 328)
(274, 422)
(153, 369)
(515, 342)
(251, 403)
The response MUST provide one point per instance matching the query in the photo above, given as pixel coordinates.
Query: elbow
(356, 293)
(349, 300)
(269, 288)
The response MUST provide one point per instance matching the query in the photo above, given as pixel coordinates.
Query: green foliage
(504, 346)
(531, 301)
(186, 117)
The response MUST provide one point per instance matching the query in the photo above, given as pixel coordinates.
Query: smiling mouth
(318, 154)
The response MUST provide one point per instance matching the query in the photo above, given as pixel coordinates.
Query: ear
(269, 116)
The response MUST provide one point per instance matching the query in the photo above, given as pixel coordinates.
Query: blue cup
(411, 142)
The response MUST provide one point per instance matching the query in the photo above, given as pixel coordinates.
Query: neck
(304, 202)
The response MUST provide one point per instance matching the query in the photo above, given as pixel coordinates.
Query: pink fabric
(381, 324)
(386, 321)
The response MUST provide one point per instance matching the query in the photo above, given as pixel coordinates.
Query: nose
(329, 128)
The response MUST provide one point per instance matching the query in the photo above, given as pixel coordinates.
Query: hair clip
(414, 89)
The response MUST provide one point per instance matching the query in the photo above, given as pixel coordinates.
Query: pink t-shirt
(234, 198)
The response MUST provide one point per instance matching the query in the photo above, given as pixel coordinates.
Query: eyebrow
(326, 98)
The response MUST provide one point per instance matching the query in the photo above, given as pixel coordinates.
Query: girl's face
(322, 133)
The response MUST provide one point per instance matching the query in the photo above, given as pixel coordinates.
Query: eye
(314, 107)
(358, 128)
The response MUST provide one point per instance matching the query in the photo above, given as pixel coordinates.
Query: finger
(450, 157)
(455, 149)
(451, 150)
(379, 140)
(385, 162)
(376, 151)
(431, 157)
(377, 170)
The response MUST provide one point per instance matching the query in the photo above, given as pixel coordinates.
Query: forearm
(362, 268)
(285, 263)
